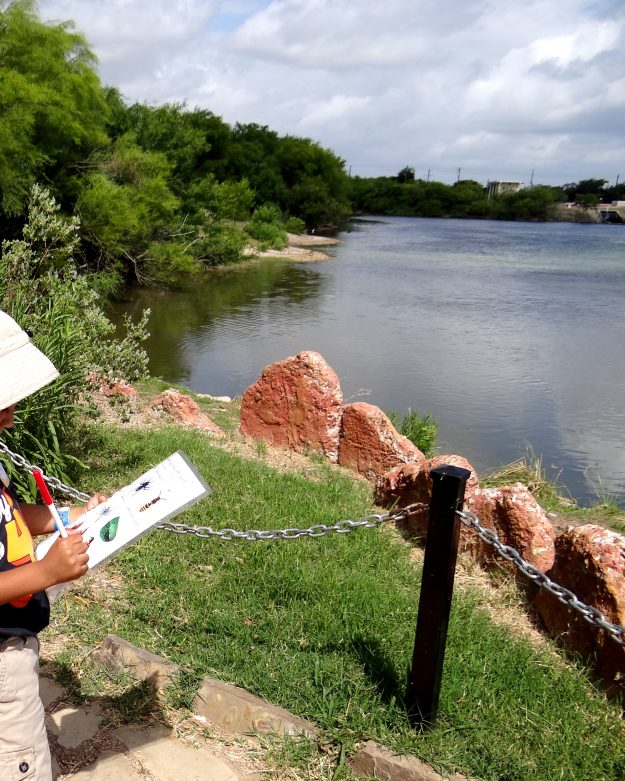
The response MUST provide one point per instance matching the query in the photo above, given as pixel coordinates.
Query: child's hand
(67, 558)
(94, 501)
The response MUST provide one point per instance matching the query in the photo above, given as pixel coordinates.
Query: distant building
(499, 188)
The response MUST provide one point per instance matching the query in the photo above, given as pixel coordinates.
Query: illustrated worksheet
(159, 494)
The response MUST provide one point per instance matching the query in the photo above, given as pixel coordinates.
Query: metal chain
(53, 482)
(372, 521)
(318, 530)
(563, 595)
(204, 532)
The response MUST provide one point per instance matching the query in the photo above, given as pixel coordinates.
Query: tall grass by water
(324, 627)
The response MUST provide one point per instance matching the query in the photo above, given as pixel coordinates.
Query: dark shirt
(30, 613)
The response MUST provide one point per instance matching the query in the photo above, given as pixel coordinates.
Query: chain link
(563, 595)
(53, 482)
(204, 532)
(318, 530)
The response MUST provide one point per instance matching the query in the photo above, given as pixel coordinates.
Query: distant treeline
(403, 195)
(158, 191)
(163, 191)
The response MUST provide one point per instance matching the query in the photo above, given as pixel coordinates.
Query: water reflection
(510, 334)
(188, 323)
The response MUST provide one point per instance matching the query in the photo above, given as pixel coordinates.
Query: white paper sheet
(159, 494)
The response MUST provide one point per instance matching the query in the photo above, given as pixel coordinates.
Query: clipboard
(157, 495)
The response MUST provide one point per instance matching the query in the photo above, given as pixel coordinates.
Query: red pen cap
(43, 488)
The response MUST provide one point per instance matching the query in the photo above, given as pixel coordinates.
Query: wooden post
(437, 583)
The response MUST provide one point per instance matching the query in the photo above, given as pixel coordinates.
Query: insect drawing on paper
(150, 503)
(105, 511)
(109, 531)
(142, 486)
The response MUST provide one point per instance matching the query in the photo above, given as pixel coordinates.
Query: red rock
(110, 389)
(400, 486)
(590, 562)
(184, 409)
(296, 403)
(453, 460)
(408, 483)
(519, 521)
(370, 444)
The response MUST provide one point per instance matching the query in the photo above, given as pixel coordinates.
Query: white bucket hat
(23, 368)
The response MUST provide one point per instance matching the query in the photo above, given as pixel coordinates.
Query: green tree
(128, 213)
(585, 187)
(52, 109)
(587, 200)
(406, 175)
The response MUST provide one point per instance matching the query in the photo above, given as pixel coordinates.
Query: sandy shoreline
(301, 248)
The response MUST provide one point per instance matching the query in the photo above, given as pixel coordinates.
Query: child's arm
(66, 560)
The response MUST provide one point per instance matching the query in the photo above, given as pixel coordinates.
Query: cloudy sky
(495, 88)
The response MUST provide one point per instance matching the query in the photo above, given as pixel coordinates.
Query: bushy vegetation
(43, 291)
(266, 227)
(403, 196)
(160, 191)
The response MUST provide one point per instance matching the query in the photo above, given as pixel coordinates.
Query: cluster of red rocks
(297, 403)
(178, 405)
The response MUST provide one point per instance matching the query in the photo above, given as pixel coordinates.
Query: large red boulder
(401, 485)
(590, 562)
(451, 460)
(370, 444)
(519, 521)
(184, 409)
(408, 483)
(296, 403)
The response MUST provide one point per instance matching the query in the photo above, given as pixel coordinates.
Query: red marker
(45, 495)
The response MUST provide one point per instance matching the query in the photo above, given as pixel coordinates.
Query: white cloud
(495, 87)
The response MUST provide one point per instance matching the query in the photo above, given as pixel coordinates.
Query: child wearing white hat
(24, 606)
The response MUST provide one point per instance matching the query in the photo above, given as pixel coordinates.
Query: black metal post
(437, 583)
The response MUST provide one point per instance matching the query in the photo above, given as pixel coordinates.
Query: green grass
(421, 430)
(529, 471)
(325, 627)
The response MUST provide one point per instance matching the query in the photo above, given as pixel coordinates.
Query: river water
(512, 335)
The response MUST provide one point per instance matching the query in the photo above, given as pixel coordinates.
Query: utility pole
(458, 179)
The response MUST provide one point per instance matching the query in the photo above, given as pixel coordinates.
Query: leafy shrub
(266, 227)
(42, 291)
(269, 236)
(421, 430)
(295, 225)
(220, 244)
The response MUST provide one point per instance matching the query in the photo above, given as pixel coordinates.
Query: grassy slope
(325, 627)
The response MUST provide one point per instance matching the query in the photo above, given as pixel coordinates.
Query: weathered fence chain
(204, 532)
(563, 595)
(53, 482)
(318, 530)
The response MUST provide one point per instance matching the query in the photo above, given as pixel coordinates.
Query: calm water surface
(512, 335)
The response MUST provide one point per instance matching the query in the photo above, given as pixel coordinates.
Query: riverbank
(323, 627)
(301, 248)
